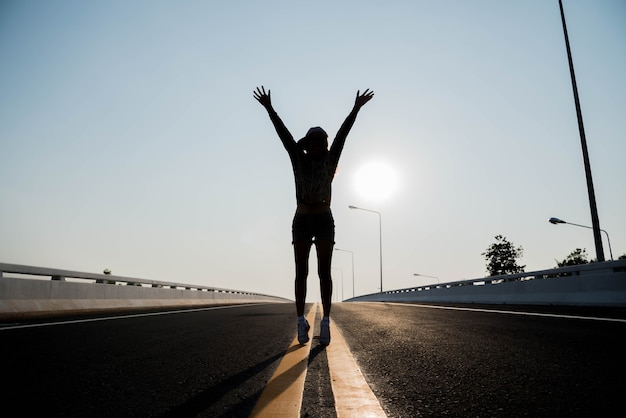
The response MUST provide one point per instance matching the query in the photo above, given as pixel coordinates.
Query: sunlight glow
(376, 180)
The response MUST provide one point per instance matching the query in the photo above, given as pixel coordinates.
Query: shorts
(313, 227)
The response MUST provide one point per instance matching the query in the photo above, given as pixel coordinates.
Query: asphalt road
(418, 361)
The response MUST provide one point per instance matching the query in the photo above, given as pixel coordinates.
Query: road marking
(456, 308)
(353, 396)
(282, 397)
(110, 318)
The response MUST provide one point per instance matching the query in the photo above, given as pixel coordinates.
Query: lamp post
(595, 222)
(352, 256)
(340, 271)
(556, 221)
(380, 244)
(423, 275)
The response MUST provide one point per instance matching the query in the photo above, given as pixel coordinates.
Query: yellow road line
(282, 397)
(353, 396)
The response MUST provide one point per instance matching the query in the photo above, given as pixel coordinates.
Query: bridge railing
(39, 291)
(63, 275)
(586, 284)
(607, 267)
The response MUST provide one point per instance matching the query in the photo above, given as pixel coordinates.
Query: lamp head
(555, 221)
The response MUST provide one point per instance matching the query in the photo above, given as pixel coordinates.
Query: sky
(130, 139)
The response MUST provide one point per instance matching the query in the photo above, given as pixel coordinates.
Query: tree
(502, 257)
(578, 256)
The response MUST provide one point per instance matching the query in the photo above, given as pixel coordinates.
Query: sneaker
(325, 332)
(303, 331)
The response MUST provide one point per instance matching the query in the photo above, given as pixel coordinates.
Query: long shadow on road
(202, 401)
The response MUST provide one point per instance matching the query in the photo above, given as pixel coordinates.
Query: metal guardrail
(607, 267)
(62, 275)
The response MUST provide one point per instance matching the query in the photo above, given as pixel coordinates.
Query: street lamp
(380, 244)
(595, 222)
(352, 256)
(340, 271)
(556, 221)
(423, 275)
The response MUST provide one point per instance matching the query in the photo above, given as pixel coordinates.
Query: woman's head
(315, 142)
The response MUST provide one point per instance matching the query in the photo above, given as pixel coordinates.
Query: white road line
(353, 396)
(500, 311)
(111, 318)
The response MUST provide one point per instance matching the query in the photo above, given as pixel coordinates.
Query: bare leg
(324, 258)
(301, 254)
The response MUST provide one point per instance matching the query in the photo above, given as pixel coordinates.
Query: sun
(375, 180)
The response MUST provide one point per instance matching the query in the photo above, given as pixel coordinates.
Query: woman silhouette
(314, 167)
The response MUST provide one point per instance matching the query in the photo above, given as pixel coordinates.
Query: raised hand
(264, 98)
(361, 99)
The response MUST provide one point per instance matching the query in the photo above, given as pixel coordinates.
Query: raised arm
(342, 134)
(283, 133)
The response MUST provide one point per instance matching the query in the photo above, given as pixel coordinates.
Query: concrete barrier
(595, 284)
(48, 292)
